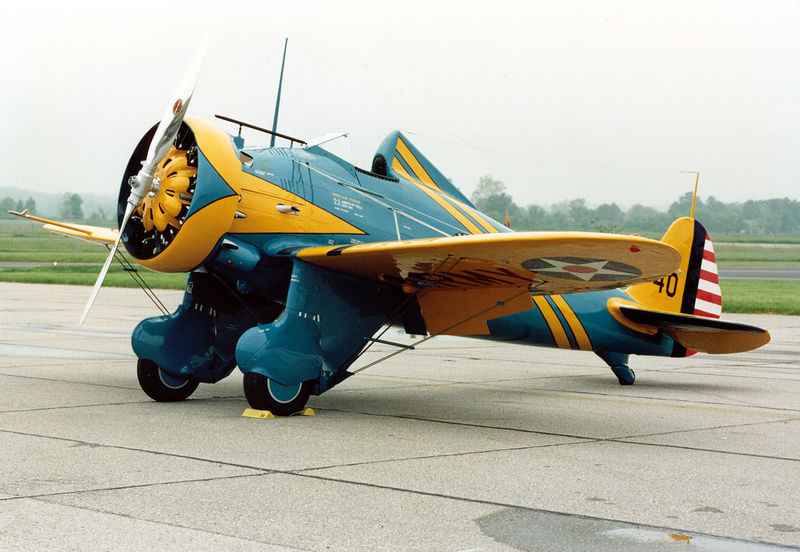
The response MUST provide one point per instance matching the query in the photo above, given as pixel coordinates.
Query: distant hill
(47, 203)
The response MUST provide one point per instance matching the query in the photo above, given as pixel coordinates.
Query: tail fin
(684, 304)
(694, 289)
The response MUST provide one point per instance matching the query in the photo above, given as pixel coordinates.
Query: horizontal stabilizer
(708, 335)
(96, 234)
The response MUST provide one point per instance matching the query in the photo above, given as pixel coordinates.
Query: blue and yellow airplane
(297, 260)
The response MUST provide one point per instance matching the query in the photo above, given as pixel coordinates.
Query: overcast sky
(606, 100)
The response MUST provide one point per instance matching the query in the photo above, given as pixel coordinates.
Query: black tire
(261, 391)
(625, 375)
(152, 382)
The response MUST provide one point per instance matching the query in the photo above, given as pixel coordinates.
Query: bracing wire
(440, 332)
(134, 273)
(404, 306)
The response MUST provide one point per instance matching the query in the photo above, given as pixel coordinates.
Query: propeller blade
(102, 275)
(167, 128)
(175, 111)
(159, 147)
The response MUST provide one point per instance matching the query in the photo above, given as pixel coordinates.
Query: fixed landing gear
(618, 362)
(264, 393)
(161, 386)
(625, 375)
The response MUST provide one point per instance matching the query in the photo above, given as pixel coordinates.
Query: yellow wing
(96, 234)
(463, 281)
(546, 262)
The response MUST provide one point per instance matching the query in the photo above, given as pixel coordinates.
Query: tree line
(8, 204)
(765, 216)
(70, 208)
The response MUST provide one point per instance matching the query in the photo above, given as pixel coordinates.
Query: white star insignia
(583, 271)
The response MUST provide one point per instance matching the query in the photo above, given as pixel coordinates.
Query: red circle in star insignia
(580, 269)
(177, 107)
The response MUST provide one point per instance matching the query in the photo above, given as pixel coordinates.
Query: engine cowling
(196, 190)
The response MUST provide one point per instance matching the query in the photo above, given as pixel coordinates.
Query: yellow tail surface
(687, 304)
(694, 287)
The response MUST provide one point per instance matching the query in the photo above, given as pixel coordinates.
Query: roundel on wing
(582, 268)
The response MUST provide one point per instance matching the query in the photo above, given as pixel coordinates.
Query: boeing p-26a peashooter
(298, 259)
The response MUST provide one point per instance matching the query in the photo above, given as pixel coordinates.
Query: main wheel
(282, 400)
(160, 386)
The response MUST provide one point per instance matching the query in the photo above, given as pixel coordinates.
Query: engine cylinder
(192, 203)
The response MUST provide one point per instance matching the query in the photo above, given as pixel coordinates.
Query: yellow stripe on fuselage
(559, 335)
(401, 170)
(416, 166)
(424, 178)
(477, 217)
(574, 323)
(446, 205)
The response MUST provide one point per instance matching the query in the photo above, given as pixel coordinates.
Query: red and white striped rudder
(708, 301)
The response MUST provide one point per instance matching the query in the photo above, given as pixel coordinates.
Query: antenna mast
(696, 182)
(278, 100)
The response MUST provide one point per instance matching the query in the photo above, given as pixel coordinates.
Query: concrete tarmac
(458, 445)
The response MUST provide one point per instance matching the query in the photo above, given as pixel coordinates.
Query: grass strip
(86, 276)
(761, 296)
(749, 255)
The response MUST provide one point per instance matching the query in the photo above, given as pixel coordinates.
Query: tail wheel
(264, 393)
(160, 386)
(625, 375)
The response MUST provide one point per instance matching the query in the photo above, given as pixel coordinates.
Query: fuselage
(312, 197)
(336, 203)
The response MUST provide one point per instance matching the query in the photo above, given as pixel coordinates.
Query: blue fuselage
(389, 209)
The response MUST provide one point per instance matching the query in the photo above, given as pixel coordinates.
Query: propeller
(143, 183)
